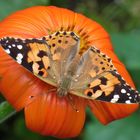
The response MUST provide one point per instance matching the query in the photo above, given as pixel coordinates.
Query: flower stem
(6, 111)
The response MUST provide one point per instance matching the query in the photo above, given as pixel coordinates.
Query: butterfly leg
(70, 100)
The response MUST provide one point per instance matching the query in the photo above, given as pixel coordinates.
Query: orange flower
(47, 113)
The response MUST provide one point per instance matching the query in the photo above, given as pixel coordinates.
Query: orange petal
(107, 112)
(51, 115)
(53, 111)
(17, 84)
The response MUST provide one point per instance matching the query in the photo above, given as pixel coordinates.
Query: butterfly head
(61, 92)
(63, 86)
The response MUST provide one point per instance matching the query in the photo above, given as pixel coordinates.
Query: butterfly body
(68, 77)
(56, 59)
(64, 86)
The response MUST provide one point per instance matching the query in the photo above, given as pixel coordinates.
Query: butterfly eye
(89, 92)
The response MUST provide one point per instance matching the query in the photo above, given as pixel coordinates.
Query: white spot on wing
(116, 96)
(20, 56)
(19, 61)
(7, 51)
(19, 47)
(123, 91)
(127, 102)
(114, 100)
(9, 46)
(130, 97)
(136, 96)
(13, 45)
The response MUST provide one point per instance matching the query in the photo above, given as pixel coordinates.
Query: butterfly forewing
(33, 54)
(48, 58)
(64, 48)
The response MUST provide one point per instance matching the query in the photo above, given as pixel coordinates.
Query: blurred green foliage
(121, 19)
(6, 111)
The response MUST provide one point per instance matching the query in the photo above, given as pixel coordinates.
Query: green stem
(6, 111)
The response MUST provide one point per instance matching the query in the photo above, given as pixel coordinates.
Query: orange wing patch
(103, 85)
(100, 61)
(39, 57)
(60, 40)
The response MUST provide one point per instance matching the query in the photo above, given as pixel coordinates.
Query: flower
(48, 114)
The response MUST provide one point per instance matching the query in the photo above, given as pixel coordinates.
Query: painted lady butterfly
(56, 60)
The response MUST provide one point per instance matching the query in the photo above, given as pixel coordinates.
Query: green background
(121, 19)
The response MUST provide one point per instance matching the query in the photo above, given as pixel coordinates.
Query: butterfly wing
(32, 54)
(97, 78)
(48, 58)
(64, 48)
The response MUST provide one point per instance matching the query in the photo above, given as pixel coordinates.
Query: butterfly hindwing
(92, 64)
(126, 94)
(112, 88)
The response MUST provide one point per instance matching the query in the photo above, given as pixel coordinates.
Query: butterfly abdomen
(64, 86)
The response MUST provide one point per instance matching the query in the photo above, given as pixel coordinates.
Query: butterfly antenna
(72, 103)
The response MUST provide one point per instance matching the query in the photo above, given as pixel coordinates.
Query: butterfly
(57, 60)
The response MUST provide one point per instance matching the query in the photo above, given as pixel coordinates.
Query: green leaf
(127, 47)
(125, 129)
(9, 6)
(6, 111)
